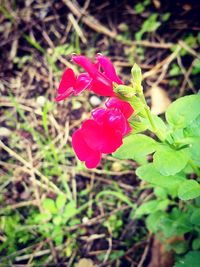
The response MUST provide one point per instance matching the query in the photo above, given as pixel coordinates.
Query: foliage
(174, 210)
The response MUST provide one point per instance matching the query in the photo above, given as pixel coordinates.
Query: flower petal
(68, 80)
(100, 137)
(64, 95)
(116, 121)
(86, 64)
(83, 151)
(98, 113)
(123, 106)
(83, 82)
(108, 68)
(101, 89)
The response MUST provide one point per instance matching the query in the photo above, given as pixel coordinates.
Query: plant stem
(148, 113)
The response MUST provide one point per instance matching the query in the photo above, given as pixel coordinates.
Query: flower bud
(124, 91)
(136, 74)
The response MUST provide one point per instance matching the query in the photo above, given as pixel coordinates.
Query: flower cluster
(104, 132)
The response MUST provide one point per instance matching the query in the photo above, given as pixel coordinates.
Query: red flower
(99, 78)
(102, 134)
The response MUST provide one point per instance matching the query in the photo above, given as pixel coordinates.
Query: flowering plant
(121, 128)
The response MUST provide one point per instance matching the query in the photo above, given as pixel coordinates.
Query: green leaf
(151, 207)
(194, 149)
(138, 126)
(195, 217)
(136, 147)
(60, 201)
(70, 210)
(196, 244)
(191, 259)
(57, 235)
(41, 218)
(188, 190)
(193, 129)
(149, 174)
(57, 220)
(139, 8)
(153, 221)
(169, 161)
(49, 205)
(175, 70)
(196, 67)
(183, 111)
(151, 24)
(166, 16)
(160, 192)
(175, 223)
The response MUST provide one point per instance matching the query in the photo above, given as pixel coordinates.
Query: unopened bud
(136, 74)
(125, 91)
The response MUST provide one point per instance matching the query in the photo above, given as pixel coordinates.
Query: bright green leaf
(149, 174)
(49, 205)
(136, 147)
(189, 189)
(70, 210)
(193, 129)
(169, 161)
(151, 206)
(60, 201)
(183, 111)
(57, 220)
(43, 217)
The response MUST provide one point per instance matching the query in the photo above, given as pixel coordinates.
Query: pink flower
(102, 134)
(122, 105)
(99, 78)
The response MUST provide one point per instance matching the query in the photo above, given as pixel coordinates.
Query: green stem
(148, 113)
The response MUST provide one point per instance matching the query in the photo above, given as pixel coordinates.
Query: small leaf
(136, 147)
(49, 205)
(188, 190)
(70, 210)
(153, 221)
(57, 220)
(183, 111)
(169, 161)
(60, 201)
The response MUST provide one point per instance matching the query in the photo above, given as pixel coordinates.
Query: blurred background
(55, 212)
